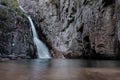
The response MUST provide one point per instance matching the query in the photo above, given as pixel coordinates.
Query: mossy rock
(13, 5)
(8, 11)
(14, 28)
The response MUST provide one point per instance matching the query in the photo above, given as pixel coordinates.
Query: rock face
(117, 12)
(77, 28)
(15, 34)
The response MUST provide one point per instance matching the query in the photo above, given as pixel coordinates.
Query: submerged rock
(15, 33)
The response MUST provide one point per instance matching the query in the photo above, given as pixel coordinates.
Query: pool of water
(60, 69)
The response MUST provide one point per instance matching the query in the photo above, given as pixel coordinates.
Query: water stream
(42, 50)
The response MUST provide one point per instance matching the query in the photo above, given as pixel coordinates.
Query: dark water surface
(58, 69)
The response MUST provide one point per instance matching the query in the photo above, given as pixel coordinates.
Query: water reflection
(84, 63)
(54, 63)
(59, 69)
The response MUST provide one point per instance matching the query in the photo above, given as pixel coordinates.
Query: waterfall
(33, 27)
(42, 50)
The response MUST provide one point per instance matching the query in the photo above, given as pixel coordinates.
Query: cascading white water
(33, 27)
(42, 50)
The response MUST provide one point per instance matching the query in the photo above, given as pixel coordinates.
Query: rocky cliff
(77, 28)
(15, 33)
(70, 28)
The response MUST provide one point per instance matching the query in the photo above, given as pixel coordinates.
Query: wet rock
(77, 28)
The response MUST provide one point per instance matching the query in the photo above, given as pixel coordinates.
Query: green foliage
(8, 10)
(4, 17)
(12, 4)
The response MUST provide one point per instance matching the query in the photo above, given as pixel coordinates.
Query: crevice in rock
(86, 39)
(85, 2)
(107, 2)
(101, 45)
(81, 29)
(66, 10)
(86, 44)
(73, 10)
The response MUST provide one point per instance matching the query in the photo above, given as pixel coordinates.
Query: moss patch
(13, 5)
(8, 11)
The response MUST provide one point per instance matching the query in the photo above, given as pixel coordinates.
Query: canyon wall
(77, 28)
(70, 28)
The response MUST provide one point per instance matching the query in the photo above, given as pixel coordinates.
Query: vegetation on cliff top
(8, 9)
(9, 3)
(13, 5)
